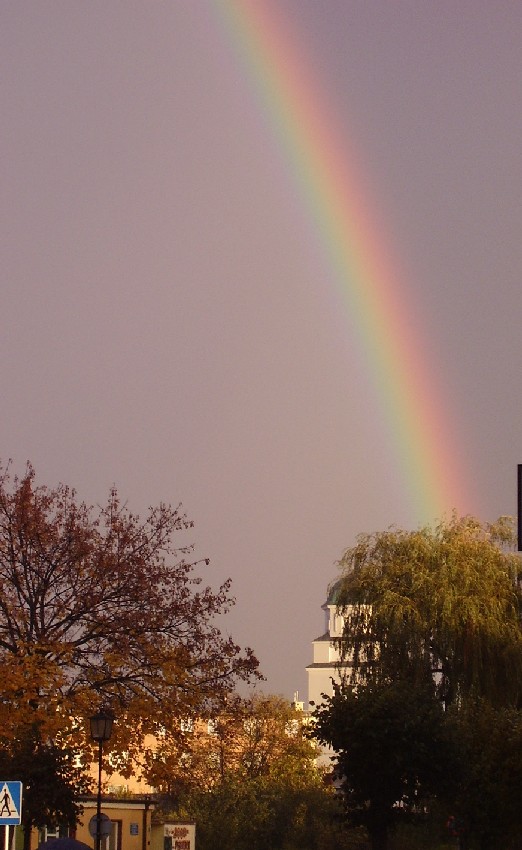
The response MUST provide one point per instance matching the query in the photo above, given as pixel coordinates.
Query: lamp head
(101, 726)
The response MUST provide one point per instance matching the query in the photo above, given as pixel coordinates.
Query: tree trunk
(379, 836)
(27, 828)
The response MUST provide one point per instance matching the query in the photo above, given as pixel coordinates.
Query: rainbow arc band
(378, 303)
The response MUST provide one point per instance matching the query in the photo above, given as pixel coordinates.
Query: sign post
(10, 807)
(519, 506)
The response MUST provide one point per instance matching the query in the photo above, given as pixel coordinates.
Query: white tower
(326, 666)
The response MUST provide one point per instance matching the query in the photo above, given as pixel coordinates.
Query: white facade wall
(324, 669)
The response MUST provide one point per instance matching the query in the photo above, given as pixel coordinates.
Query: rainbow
(326, 172)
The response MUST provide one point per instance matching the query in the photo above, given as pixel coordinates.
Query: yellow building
(133, 826)
(130, 822)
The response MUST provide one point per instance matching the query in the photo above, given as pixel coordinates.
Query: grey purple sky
(168, 325)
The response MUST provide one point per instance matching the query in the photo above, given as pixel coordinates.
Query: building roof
(326, 637)
(333, 592)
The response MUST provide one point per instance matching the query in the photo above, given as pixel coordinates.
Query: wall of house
(131, 824)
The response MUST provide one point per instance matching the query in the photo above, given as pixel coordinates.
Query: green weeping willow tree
(432, 640)
(438, 604)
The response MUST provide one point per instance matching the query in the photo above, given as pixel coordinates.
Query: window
(50, 832)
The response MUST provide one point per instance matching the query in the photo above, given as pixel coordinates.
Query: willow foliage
(440, 602)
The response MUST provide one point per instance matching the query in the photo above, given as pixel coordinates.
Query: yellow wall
(132, 819)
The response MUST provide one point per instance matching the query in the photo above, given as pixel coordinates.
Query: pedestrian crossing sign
(10, 803)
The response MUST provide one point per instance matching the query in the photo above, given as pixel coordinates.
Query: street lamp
(101, 730)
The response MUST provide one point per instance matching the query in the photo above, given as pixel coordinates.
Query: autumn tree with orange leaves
(99, 607)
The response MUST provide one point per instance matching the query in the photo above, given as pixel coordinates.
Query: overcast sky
(168, 324)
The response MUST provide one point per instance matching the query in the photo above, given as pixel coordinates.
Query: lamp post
(101, 730)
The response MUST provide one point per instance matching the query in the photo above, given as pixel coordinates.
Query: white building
(326, 665)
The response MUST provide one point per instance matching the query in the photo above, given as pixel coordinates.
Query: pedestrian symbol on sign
(10, 803)
(7, 802)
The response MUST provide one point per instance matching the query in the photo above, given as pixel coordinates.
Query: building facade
(327, 666)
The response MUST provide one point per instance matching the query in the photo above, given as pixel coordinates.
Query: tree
(99, 607)
(432, 624)
(439, 603)
(51, 776)
(249, 779)
(266, 812)
(392, 751)
(258, 736)
(488, 743)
